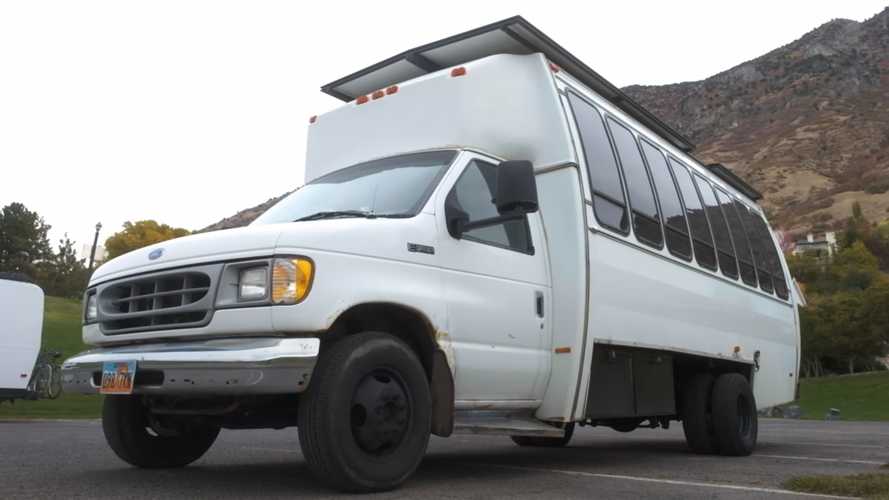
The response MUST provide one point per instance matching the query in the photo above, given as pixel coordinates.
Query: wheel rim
(745, 417)
(380, 412)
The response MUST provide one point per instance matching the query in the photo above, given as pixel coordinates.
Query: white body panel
(504, 105)
(21, 310)
(500, 344)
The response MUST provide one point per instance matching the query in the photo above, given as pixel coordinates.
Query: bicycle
(46, 381)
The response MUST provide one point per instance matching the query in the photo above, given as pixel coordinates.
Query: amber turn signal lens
(291, 279)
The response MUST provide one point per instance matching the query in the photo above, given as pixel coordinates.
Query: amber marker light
(291, 279)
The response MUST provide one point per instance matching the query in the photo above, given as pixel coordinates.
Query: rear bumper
(243, 366)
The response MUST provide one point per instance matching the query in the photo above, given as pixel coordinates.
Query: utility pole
(95, 242)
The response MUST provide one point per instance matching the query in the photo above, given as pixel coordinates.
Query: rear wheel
(143, 442)
(735, 422)
(552, 442)
(696, 413)
(364, 421)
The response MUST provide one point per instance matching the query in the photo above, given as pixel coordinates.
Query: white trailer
(21, 307)
(492, 239)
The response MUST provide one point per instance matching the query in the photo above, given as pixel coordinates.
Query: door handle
(538, 303)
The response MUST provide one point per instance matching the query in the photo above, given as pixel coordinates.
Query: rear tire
(696, 413)
(735, 422)
(364, 421)
(126, 425)
(548, 442)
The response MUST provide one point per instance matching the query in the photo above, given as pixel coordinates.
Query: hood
(386, 238)
(215, 246)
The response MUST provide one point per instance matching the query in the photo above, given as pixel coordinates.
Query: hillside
(807, 124)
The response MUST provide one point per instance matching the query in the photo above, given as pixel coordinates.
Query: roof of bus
(514, 35)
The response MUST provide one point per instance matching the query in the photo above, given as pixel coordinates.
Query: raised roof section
(510, 36)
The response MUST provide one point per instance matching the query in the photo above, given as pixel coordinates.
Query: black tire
(55, 382)
(696, 414)
(735, 422)
(548, 442)
(125, 422)
(365, 419)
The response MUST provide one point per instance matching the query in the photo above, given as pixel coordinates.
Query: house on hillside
(824, 246)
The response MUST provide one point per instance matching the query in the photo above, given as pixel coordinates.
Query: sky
(188, 111)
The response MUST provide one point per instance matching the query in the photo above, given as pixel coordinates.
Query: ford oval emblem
(156, 254)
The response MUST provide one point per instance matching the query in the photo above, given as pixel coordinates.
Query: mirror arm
(491, 221)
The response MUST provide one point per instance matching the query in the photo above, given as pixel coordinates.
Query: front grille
(160, 301)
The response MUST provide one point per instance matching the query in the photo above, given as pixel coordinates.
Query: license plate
(118, 377)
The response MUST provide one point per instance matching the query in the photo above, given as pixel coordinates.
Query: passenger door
(497, 293)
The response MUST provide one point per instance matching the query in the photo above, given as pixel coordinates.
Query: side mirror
(455, 216)
(516, 188)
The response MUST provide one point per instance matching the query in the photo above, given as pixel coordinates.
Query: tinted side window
(725, 252)
(758, 244)
(773, 261)
(609, 204)
(646, 222)
(739, 236)
(697, 220)
(675, 226)
(473, 194)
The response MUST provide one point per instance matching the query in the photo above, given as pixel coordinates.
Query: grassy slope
(61, 332)
(862, 396)
(859, 397)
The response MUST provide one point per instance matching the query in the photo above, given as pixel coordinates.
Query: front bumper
(243, 366)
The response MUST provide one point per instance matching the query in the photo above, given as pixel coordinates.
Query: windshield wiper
(333, 214)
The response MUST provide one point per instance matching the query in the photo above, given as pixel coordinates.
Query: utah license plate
(118, 377)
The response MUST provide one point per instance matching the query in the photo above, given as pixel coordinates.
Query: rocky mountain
(243, 217)
(807, 124)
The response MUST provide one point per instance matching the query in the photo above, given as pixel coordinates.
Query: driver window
(474, 194)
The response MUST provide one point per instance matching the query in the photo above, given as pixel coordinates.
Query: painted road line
(821, 459)
(675, 482)
(832, 445)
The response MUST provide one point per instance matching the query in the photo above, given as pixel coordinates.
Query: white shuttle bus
(491, 239)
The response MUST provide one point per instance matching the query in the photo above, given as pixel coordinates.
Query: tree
(140, 234)
(853, 268)
(857, 227)
(23, 239)
(64, 275)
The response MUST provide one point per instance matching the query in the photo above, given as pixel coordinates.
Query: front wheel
(140, 441)
(364, 421)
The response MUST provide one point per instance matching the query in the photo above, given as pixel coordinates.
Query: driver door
(496, 290)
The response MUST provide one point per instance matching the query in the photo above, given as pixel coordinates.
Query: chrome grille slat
(161, 294)
(172, 299)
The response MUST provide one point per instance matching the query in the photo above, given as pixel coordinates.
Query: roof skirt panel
(514, 35)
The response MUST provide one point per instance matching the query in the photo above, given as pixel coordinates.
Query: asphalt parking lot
(69, 459)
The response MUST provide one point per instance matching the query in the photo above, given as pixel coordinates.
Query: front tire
(546, 442)
(735, 422)
(132, 437)
(365, 420)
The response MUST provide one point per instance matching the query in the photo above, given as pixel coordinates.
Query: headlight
(252, 283)
(291, 279)
(90, 308)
